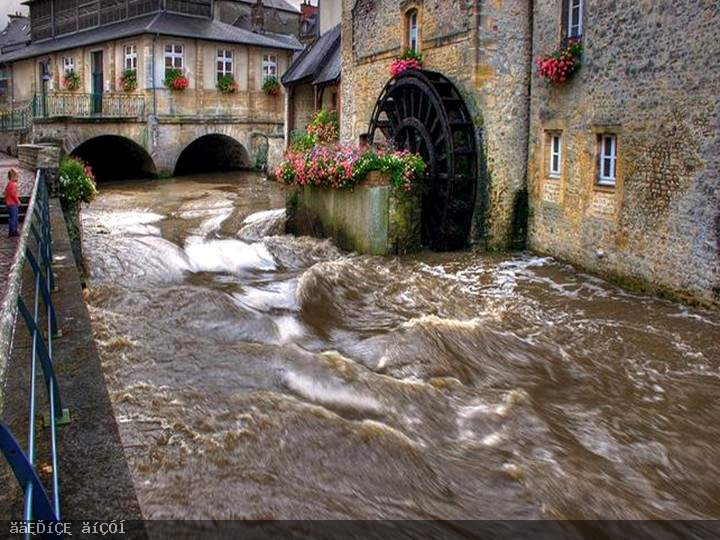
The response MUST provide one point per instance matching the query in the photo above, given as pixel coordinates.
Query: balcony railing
(74, 105)
(16, 119)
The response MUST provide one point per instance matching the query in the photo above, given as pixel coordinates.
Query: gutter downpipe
(154, 85)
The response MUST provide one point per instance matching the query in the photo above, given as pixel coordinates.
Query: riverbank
(95, 482)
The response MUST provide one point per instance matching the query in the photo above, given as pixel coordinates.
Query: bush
(71, 80)
(341, 167)
(271, 86)
(128, 80)
(175, 80)
(77, 182)
(227, 85)
(324, 126)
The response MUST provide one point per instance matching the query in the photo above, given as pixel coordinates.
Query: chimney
(258, 16)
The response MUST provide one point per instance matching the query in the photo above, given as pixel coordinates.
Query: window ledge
(605, 188)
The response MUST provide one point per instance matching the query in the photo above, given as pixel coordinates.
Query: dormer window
(413, 32)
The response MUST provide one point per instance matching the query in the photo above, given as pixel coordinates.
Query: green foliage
(261, 157)
(271, 86)
(227, 85)
(402, 167)
(128, 80)
(325, 126)
(409, 54)
(71, 80)
(302, 141)
(175, 79)
(77, 182)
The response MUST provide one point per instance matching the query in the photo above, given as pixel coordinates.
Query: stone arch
(114, 157)
(213, 152)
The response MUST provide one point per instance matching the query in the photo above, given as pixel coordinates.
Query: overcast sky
(9, 6)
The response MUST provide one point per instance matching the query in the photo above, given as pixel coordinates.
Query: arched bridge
(123, 149)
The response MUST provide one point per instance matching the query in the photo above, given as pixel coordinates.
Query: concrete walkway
(94, 475)
(8, 246)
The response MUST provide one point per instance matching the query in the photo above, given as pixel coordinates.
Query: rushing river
(256, 375)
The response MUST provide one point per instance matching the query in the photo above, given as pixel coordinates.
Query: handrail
(16, 119)
(37, 504)
(79, 105)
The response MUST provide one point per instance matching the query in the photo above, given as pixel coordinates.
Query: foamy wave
(331, 396)
(432, 320)
(227, 256)
(263, 224)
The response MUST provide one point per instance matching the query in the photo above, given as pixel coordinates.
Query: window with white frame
(555, 161)
(131, 57)
(224, 63)
(173, 57)
(68, 64)
(607, 162)
(269, 66)
(413, 42)
(574, 18)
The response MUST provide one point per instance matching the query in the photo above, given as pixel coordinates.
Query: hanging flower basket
(559, 66)
(128, 80)
(227, 85)
(409, 60)
(176, 80)
(271, 86)
(71, 80)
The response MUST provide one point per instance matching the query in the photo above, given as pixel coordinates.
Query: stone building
(14, 36)
(615, 171)
(97, 45)
(313, 79)
(483, 50)
(635, 194)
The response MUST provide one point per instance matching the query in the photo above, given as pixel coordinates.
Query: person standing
(12, 201)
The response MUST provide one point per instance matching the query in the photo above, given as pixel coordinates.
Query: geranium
(271, 86)
(409, 60)
(341, 167)
(324, 127)
(560, 65)
(227, 85)
(128, 80)
(71, 80)
(175, 79)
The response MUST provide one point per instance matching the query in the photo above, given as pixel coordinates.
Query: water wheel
(423, 112)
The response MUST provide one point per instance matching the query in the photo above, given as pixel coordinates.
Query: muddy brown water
(256, 375)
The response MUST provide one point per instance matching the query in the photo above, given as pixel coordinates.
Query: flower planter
(373, 218)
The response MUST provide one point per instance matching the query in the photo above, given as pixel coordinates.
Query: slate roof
(163, 23)
(282, 5)
(318, 64)
(16, 34)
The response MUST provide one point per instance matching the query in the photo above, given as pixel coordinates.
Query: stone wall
(644, 80)
(373, 218)
(484, 48)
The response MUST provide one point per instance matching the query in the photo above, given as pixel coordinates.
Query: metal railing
(75, 105)
(16, 119)
(41, 322)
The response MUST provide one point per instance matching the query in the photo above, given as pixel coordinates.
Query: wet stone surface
(256, 375)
